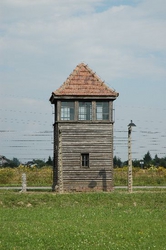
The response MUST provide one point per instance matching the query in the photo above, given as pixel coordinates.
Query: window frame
(100, 114)
(85, 111)
(85, 160)
(67, 112)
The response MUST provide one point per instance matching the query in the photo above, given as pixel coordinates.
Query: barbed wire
(153, 138)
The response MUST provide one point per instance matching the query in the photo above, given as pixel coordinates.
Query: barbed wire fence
(29, 135)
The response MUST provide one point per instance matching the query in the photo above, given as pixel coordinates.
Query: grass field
(43, 176)
(116, 220)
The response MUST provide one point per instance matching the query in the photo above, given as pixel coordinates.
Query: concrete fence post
(24, 183)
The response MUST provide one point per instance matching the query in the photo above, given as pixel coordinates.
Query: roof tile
(84, 82)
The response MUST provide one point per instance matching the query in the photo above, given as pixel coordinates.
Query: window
(85, 160)
(85, 110)
(67, 110)
(102, 110)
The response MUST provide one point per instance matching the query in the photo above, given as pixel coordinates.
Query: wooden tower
(83, 133)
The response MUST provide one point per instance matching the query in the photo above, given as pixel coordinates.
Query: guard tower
(83, 133)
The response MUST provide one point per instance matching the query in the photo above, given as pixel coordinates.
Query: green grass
(116, 220)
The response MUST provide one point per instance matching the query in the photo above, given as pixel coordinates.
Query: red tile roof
(84, 82)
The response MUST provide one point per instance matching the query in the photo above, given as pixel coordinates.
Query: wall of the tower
(76, 139)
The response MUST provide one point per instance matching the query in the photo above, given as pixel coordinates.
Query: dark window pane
(71, 113)
(85, 160)
(105, 117)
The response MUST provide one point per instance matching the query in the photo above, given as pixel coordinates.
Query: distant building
(3, 160)
(83, 133)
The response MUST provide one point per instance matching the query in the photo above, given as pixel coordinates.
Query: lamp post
(130, 177)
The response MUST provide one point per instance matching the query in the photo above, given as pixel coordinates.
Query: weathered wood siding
(76, 138)
(55, 158)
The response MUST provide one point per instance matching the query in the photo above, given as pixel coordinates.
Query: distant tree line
(4, 162)
(146, 162)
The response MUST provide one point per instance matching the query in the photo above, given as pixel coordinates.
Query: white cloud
(127, 29)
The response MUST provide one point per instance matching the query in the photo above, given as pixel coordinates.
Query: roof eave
(54, 97)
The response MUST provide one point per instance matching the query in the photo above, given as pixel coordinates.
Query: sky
(42, 41)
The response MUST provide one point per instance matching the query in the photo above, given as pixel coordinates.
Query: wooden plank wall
(55, 158)
(95, 139)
